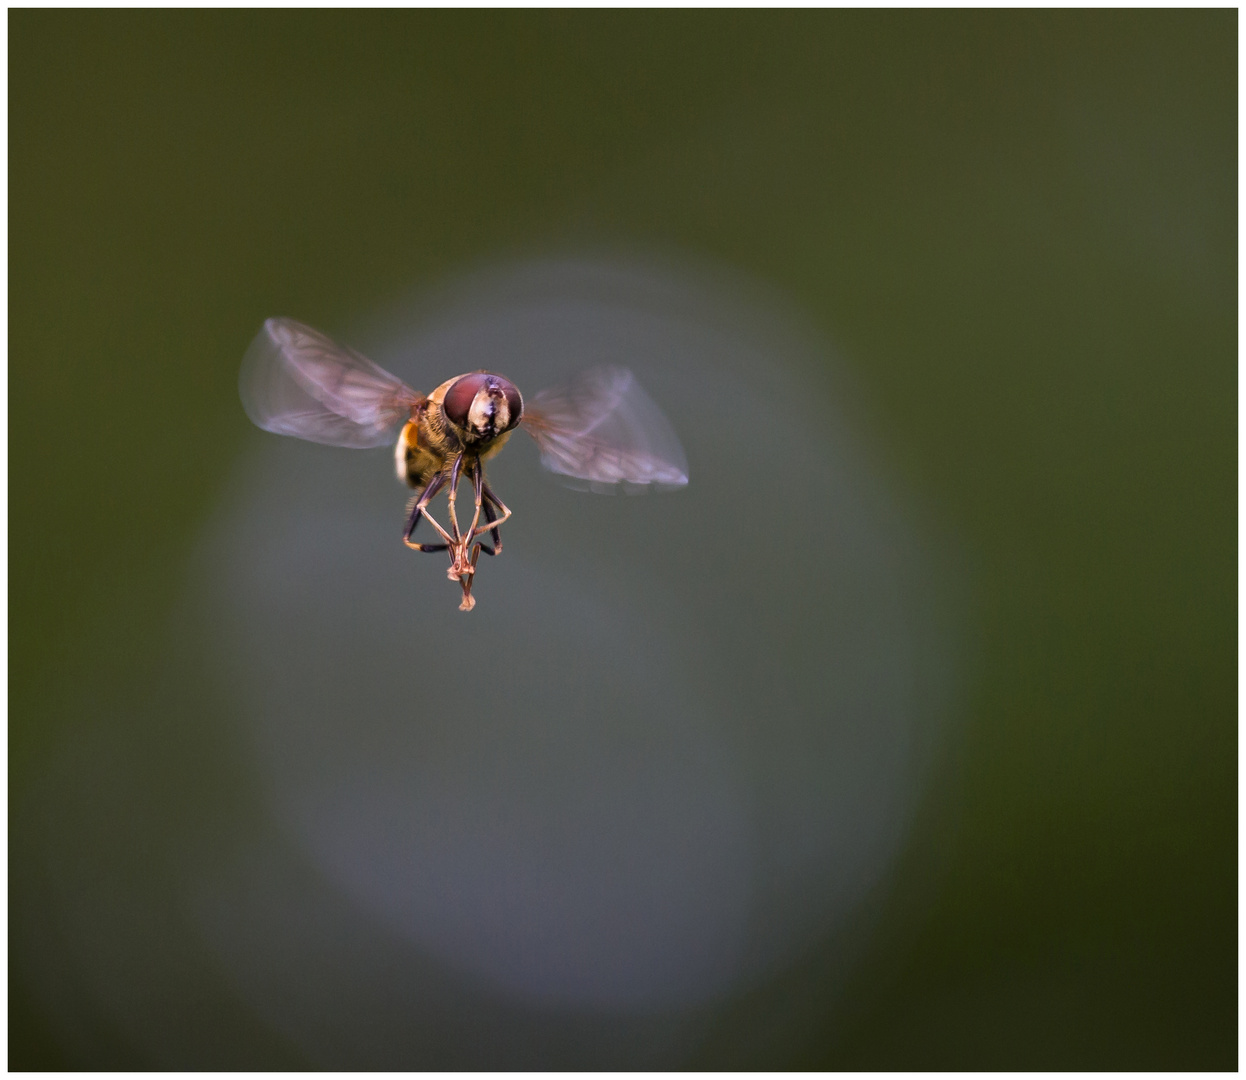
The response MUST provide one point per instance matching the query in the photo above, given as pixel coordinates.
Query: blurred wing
(296, 381)
(603, 428)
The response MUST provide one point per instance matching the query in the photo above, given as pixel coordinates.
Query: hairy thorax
(428, 445)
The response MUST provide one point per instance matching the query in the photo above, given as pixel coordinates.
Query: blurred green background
(1019, 227)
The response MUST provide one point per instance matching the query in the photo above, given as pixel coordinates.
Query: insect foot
(469, 601)
(460, 564)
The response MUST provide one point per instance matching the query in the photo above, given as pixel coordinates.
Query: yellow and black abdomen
(414, 463)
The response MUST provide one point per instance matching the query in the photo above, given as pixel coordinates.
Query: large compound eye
(482, 404)
(458, 400)
(514, 400)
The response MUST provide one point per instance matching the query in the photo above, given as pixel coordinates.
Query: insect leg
(483, 502)
(421, 509)
(492, 525)
(460, 564)
(466, 580)
(419, 503)
(478, 481)
(491, 522)
(490, 517)
(455, 470)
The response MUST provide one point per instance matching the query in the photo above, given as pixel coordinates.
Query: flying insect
(600, 428)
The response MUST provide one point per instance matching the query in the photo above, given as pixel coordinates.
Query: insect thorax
(429, 444)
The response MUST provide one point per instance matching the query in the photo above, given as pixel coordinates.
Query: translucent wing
(296, 381)
(604, 429)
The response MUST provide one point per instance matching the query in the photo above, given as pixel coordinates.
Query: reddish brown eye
(484, 404)
(514, 402)
(460, 396)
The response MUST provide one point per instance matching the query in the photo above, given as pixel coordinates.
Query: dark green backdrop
(1020, 227)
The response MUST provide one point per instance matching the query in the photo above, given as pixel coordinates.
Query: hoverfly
(601, 428)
